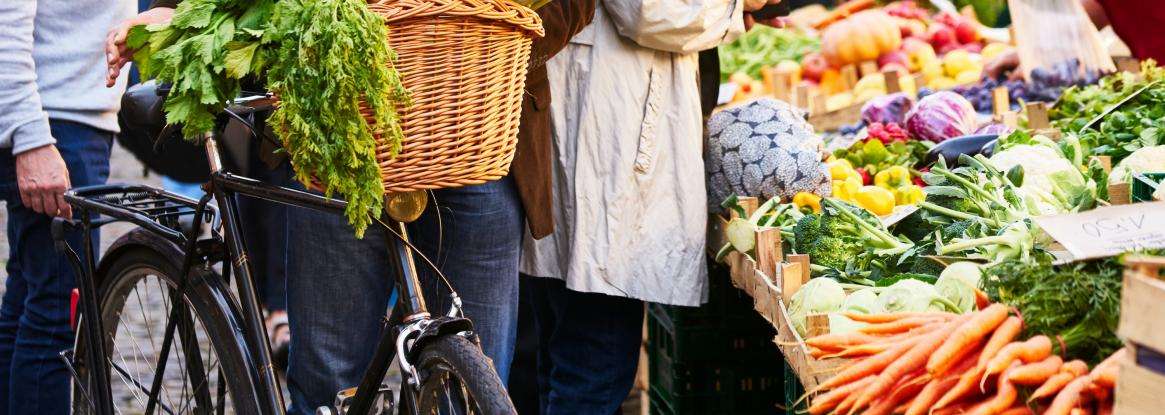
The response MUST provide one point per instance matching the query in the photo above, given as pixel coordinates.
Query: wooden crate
(1138, 389)
(1142, 319)
(771, 280)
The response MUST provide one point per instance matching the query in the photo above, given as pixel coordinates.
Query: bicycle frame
(410, 319)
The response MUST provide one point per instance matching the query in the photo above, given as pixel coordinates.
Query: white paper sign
(1108, 231)
(899, 213)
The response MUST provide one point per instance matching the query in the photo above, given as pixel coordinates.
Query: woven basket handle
(500, 10)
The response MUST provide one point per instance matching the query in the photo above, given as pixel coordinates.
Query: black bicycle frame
(224, 187)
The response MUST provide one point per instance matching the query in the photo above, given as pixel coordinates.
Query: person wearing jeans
(57, 121)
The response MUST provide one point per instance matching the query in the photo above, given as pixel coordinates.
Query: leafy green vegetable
(847, 242)
(818, 296)
(764, 45)
(874, 156)
(325, 59)
(1078, 303)
(1118, 115)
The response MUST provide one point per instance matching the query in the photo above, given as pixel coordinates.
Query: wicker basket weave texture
(464, 64)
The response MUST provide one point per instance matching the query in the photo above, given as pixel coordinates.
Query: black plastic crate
(739, 388)
(715, 359)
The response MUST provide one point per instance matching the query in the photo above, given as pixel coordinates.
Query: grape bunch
(1045, 86)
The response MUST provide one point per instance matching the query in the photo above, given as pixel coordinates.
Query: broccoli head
(818, 236)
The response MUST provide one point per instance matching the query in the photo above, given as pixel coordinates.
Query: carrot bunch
(941, 363)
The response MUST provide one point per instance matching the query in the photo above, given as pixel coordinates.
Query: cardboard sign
(1108, 231)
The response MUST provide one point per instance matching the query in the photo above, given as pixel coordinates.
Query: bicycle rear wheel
(206, 369)
(456, 378)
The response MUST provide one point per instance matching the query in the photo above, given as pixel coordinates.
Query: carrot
(907, 387)
(1068, 397)
(826, 401)
(1052, 386)
(965, 337)
(1075, 367)
(838, 341)
(888, 317)
(1106, 377)
(1003, 335)
(860, 350)
(1034, 349)
(966, 385)
(867, 366)
(930, 394)
(952, 410)
(1037, 373)
(896, 326)
(1018, 410)
(981, 299)
(848, 403)
(912, 360)
(1004, 396)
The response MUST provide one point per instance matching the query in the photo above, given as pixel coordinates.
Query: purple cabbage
(887, 109)
(940, 116)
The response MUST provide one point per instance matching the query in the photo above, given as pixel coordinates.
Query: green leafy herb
(764, 45)
(325, 59)
(1118, 115)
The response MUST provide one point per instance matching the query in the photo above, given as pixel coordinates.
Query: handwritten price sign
(1108, 231)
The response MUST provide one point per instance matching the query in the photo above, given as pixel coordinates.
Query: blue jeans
(588, 348)
(338, 287)
(34, 315)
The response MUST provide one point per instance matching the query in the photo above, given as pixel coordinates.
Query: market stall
(977, 245)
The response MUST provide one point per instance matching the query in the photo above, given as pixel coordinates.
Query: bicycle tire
(120, 271)
(457, 356)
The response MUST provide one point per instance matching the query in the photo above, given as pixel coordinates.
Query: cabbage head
(957, 283)
(1050, 180)
(818, 296)
(911, 295)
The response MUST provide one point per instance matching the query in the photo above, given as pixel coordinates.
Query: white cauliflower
(1144, 160)
(1048, 177)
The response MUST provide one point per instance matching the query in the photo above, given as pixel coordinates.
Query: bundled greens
(764, 45)
(846, 241)
(1077, 303)
(1118, 115)
(325, 59)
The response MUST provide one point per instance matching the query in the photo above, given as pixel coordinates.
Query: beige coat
(628, 176)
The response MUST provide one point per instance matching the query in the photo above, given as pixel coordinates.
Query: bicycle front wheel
(456, 378)
(205, 368)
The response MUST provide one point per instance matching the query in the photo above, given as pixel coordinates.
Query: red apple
(813, 65)
(894, 57)
(948, 47)
(940, 35)
(973, 47)
(966, 32)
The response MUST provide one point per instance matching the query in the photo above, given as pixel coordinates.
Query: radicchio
(940, 116)
(887, 109)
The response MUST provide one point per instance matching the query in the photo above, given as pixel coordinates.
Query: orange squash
(861, 37)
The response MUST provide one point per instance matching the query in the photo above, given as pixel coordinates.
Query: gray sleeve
(24, 125)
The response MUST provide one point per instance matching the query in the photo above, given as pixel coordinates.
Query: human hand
(117, 53)
(750, 20)
(43, 177)
(1004, 63)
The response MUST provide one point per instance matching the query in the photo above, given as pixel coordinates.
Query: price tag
(1108, 231)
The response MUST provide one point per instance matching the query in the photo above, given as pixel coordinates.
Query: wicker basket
(464, 64)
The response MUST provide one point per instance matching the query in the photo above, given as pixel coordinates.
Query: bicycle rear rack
(155, 209)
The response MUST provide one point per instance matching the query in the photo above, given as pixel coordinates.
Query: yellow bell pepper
(846, 189)
(908, 195)
(892, 177)
(807, 200)
(841, 169)
(877, 200)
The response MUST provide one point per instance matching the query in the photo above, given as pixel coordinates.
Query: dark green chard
(323, 58)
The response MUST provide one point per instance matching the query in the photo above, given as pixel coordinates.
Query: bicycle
(214, 341)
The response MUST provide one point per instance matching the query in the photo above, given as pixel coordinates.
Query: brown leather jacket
(561, 19)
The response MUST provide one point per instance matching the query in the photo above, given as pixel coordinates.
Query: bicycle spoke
(136, 385)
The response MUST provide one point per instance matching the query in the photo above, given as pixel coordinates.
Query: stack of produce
(1117, 116)
(1046, 86)
(939, 363)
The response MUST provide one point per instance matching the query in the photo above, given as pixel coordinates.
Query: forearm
(165, 3)
(23, 123)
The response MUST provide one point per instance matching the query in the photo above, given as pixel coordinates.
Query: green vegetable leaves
(325, 59)
(763, 45)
